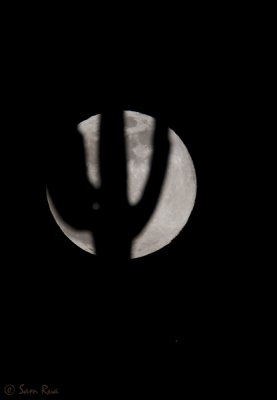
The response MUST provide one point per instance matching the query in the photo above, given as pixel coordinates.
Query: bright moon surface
(178, 192)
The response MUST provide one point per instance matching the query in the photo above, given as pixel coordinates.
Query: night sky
(181, 298)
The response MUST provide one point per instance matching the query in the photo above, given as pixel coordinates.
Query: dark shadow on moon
(114, 222)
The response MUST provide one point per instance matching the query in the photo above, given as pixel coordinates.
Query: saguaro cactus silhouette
(106, 211)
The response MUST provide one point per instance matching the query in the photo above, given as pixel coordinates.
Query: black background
(59, 304)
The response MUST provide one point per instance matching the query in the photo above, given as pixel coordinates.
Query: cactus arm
(68, 186)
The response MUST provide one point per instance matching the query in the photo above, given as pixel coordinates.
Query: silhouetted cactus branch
(106, 211)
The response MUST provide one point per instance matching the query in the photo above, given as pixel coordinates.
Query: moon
(178, 193)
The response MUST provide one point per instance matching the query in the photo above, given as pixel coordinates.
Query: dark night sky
(184, 292)
(169, 290)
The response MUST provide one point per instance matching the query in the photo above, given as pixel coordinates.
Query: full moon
(178, 192)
